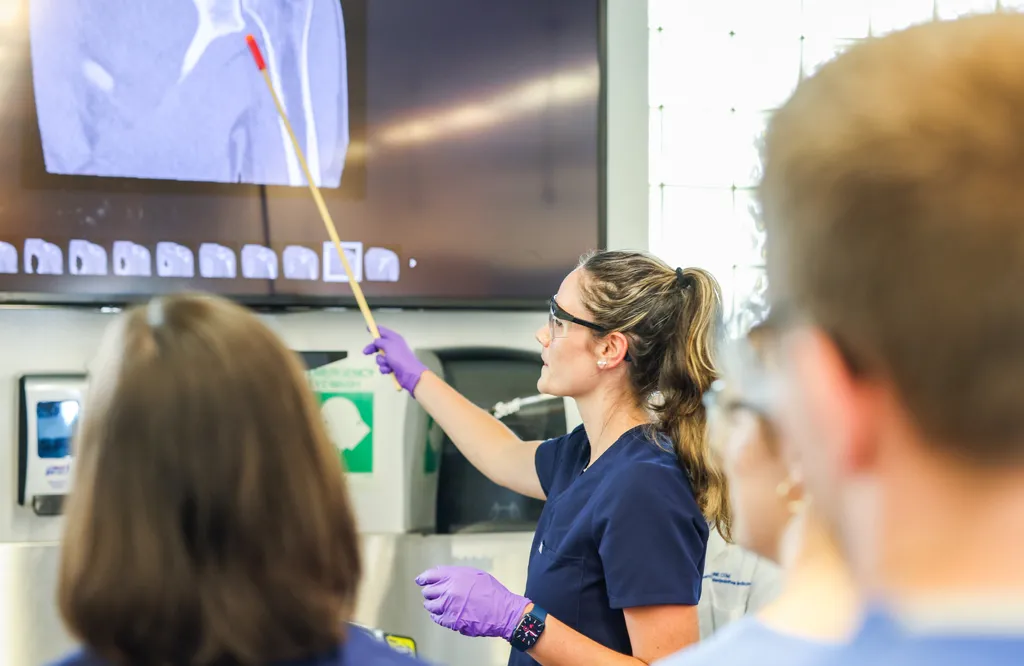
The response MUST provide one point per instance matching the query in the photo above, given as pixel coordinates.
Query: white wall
(39, 340)
(717, 69)
(627, 117)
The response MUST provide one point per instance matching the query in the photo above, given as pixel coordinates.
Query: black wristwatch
(529, 630)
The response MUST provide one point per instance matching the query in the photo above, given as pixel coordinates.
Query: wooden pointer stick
(332, 231)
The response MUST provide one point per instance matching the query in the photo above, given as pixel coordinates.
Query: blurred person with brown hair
(817, 608)
(209, 523)
(894, 207)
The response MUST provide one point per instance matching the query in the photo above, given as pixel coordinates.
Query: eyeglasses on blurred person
(773, 517)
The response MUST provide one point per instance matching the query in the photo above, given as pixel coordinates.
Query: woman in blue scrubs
(209, 522)
(617, 560)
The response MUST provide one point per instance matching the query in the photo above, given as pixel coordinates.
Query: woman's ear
(796, 479)
(792, 491)
(613, 349)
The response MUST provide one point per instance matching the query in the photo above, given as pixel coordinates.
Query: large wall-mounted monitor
(458, 144)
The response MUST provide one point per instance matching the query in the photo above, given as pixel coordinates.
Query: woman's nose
(543, 336)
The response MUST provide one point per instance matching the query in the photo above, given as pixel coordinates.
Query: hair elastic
(683, 280)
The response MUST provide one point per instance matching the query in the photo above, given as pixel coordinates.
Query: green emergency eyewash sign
(346, 396)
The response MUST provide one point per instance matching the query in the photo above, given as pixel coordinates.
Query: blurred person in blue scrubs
(893, 201)
(618, 556)
(209, 523)
(817, 608)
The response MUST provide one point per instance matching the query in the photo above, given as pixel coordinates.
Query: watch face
(528, 631)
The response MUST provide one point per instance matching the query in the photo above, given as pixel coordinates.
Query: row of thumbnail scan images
(174, 260)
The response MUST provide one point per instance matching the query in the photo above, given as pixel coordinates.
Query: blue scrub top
(626, 532)
(882, 641)
(749, 642)
(359, 649)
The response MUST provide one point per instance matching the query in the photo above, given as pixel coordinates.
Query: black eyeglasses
(725, 411)
(558, 318)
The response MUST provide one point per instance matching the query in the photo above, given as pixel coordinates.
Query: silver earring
(602, 363)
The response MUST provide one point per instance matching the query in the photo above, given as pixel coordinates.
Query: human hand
(397, 358)
(471, 602)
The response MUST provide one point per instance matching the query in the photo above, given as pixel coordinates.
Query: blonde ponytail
(672, 319)
(688, 369)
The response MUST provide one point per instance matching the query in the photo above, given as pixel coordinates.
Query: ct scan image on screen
(108, 107)
(457, 145)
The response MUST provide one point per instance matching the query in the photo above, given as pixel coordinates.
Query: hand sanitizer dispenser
(50, 407)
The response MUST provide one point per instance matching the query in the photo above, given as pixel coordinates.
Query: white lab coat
(736, 582)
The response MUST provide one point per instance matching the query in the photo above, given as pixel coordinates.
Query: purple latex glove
(471, 602)
(397, 358)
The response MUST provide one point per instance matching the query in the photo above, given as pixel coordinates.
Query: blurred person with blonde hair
(209, 523)
(894, 207)
(773, 517)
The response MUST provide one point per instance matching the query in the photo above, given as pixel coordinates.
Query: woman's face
(755, 470)
(570, 362)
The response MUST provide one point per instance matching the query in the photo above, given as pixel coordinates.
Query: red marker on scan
(255, 49)
(357, 291)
